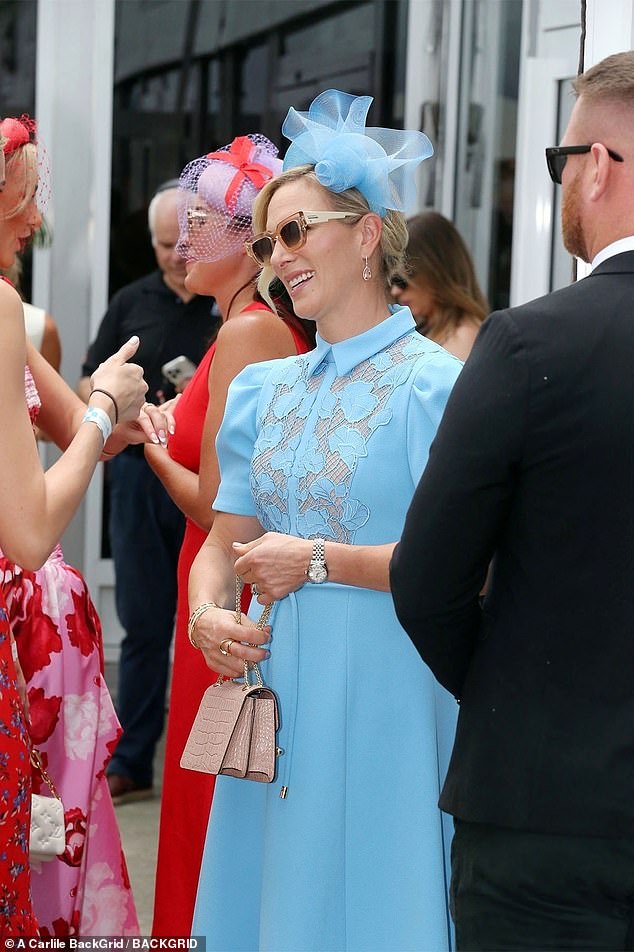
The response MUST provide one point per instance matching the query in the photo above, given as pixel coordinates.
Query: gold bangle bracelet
(193, 620)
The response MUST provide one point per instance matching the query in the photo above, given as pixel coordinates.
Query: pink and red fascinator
(216, 195)
(18, 132)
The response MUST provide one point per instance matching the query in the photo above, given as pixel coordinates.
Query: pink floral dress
(86, 891)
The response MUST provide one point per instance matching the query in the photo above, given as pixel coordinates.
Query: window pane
(485, 170)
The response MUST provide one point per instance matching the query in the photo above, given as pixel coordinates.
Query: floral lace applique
(315, 482)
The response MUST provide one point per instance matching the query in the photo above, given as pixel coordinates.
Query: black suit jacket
(533, 467)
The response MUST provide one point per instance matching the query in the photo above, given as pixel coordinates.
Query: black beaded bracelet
(106, 393)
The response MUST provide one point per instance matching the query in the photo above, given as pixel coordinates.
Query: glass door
(487, 124)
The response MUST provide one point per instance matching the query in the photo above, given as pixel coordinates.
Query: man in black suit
(533, 470)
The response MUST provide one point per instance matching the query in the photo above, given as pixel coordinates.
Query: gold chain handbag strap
(36, 760)
(262, 622)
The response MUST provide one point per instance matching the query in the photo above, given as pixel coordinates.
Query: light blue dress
(331, 444)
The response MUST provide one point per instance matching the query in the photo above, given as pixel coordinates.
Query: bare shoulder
(12, 336)
(12, 321)
(9, 297)
(254, 325)
(462, 338)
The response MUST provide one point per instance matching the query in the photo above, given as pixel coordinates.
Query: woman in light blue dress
(320, 455)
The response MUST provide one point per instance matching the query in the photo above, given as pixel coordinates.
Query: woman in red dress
(218, 192)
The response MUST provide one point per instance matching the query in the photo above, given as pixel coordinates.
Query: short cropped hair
(610, 79)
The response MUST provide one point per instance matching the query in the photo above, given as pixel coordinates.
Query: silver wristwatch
(317, 570)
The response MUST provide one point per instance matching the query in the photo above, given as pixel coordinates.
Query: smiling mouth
(299, 280)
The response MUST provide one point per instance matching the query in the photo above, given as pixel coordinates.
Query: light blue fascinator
(333, 137)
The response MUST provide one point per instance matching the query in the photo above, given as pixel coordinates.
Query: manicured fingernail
(155, 438)
(162, 436)
(172, 428)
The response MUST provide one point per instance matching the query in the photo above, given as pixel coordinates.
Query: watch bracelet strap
(319, 551)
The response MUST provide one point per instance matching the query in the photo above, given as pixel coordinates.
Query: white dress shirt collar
(616, 248)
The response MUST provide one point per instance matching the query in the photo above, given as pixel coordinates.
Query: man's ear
(601, 171)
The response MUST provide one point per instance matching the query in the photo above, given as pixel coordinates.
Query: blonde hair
(391, 249)
(23, 159)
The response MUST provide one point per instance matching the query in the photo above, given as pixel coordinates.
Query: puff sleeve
(236, 439)
(432, 384)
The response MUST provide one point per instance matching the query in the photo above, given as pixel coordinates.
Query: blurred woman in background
(440, 286)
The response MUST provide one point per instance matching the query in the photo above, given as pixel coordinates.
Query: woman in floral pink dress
(85, 891)
(72, 719)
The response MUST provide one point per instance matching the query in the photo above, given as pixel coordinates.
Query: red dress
(16, 914)
(186, 795)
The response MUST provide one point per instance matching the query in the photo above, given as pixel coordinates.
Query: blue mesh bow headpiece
(380, 163)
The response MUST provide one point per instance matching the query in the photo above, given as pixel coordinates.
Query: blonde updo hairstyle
(390, 253)
(21, 162)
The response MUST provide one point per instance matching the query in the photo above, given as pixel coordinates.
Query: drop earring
(367, 271)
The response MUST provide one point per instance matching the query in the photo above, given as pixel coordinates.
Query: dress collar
(346, 354)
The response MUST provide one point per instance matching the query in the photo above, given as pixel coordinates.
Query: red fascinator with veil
(16, 133)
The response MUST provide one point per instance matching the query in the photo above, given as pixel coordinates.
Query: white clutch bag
(48, 828)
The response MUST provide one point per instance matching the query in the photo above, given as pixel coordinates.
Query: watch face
(317, 572)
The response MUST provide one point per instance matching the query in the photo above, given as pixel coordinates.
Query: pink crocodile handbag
(234, 730)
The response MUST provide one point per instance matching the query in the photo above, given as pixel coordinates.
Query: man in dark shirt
(146, 528)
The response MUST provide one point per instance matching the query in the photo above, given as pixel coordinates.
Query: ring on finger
(255, 589)
(225, 646)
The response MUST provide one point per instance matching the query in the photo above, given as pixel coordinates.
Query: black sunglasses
(557, 156)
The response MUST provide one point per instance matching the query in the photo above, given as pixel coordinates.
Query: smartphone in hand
(179, 370)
